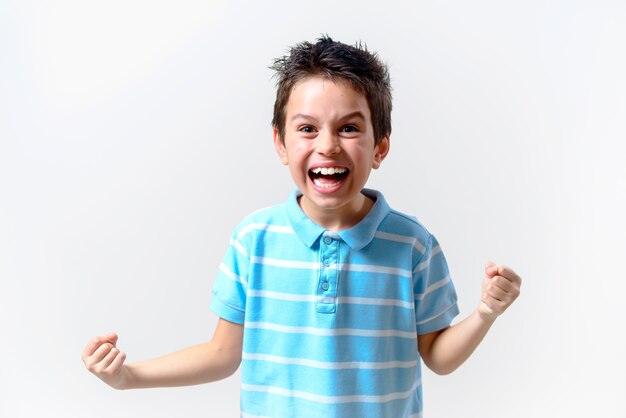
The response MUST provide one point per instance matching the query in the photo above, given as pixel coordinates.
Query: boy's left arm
(445, 350)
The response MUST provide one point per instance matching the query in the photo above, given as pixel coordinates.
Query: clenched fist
(500, 288)
(106, 361)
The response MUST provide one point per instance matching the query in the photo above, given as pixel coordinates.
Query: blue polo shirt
(331, 318)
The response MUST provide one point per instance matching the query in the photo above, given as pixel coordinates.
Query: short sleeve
(434, 293)
(230, 287)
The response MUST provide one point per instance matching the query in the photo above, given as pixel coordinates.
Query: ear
(280, 148)
(380, 152)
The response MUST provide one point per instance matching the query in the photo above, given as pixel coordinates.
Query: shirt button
(325, 286)
(328, 240)
(327, 262)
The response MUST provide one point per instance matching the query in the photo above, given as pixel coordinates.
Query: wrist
(486, 316)
(129, 378)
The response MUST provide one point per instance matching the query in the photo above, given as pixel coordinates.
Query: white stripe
(238, 247)
(401, 238)
(419, 247)
(331, 332)
(421, 266)
(312, 298)
(435, 316)
(281, 296)
(375, 269)
(330, 365)
(285, 263)
(433, 287)
(395, 237)
(373, 301)
(280, 229)
(224, 269)
(315, 266)
(331, 399)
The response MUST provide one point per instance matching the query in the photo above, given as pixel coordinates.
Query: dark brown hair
(362, 69)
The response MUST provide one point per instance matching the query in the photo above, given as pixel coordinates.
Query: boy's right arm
(202, 363)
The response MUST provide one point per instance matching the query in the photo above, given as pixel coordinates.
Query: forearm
(455, 344)
(198, 364)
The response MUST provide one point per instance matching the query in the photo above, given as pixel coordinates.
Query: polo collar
(356, 237)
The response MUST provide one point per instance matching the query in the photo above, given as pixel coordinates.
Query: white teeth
(321, 185)
(328, 171)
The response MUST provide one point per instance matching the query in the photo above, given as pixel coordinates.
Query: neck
(338, 219)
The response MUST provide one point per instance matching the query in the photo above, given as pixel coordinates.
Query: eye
(349, 129)
(307, 129)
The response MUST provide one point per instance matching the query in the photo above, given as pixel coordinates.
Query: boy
(331, 299)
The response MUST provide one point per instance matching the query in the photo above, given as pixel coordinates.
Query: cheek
(364, 155)
(296, 169)
(298, 154)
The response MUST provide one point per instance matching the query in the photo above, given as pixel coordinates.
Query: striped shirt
(331, 318)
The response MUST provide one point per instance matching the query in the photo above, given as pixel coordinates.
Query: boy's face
(329, 148)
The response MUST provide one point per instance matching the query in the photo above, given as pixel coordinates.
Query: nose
(327, 143)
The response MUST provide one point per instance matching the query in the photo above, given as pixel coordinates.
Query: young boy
(330, 299)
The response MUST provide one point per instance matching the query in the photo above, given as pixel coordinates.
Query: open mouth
(328, 177)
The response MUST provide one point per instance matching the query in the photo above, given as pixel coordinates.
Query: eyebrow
(355, 114)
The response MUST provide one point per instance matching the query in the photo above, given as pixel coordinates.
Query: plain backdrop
(134, 135)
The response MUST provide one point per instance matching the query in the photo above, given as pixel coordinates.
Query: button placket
(329, 272)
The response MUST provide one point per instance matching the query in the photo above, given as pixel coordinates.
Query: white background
(134, 135)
